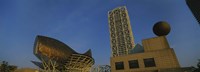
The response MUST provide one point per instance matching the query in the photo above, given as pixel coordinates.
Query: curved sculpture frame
(57, 56)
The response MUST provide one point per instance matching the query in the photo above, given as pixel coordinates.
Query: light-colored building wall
(163, 59)
(155, 43)
(157, 48)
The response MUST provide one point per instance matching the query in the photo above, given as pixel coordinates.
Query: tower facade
(121, 37)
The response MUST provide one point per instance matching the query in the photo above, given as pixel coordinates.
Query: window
(149, 62)
(119, 65)
(133, 64)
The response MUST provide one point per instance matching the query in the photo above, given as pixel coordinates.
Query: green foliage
(198, 65)
(197, 69)
(4, 67)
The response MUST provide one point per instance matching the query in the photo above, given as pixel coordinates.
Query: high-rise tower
(194, 6)
(121, 37)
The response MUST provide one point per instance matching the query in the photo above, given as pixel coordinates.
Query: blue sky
(83, 25)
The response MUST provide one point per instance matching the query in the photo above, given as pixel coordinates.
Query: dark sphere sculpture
(161, 28)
